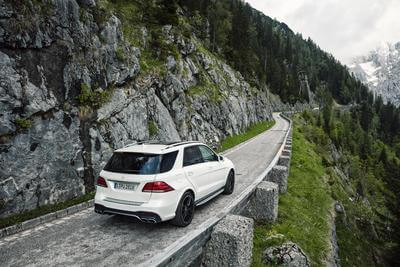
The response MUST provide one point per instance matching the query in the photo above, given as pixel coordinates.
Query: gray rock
(205, 60)
(279, 175)
(167, 32)
(171, 63)
(333, 259)
(231, 243)
(263, 205)
(339, 207)
(287, 254)
(44, 172)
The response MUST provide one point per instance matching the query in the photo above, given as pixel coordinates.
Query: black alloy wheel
(185, 211)
(230, 183)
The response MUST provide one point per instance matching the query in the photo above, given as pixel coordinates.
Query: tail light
(157, 187)
(101, 182)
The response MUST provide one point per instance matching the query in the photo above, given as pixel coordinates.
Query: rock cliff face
(72, 90)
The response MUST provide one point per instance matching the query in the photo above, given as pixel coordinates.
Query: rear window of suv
(140, 163)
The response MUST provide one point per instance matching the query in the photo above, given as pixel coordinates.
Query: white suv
(156, 182)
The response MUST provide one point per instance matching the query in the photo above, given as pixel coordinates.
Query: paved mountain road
(89, 239)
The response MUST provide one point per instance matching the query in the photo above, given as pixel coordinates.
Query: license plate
(125, 186)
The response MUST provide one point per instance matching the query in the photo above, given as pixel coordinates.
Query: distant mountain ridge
(380, 70)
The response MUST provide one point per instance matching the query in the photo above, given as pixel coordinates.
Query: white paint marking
(10, 238)
(24, 234)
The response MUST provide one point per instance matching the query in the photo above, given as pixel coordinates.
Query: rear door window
(168, 161)
(191, 156)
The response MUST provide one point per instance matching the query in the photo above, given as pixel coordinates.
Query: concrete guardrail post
(231, 243)
(284, 161)
(286, 153)
(279, 175)
(263, 204)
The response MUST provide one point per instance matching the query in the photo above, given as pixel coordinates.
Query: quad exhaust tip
(142, 219)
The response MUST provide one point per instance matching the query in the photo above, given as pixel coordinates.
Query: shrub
(120, 53)
(153, 129)
(93, 99)
(23, 123)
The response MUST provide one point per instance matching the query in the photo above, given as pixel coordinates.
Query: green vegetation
(335, 159)
(151, 64)
(363, 233)
(153, 129)
(23, 123)
(19, 218)
(94, 99)
(35, 7)
(120, 53)
(268, 52)
(206, 87)
(304, 212)
(151, 15)
(251, 132)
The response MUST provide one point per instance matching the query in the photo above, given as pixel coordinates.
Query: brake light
(157, 187)
(101, 182)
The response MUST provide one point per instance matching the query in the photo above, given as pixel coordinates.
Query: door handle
(190, 173)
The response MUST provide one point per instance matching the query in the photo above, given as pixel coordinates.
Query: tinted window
(168, 161)
(192, 156)
(135, 163)
(208, 154)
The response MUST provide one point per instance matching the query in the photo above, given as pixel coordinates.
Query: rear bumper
(161, 207)
(147, 217)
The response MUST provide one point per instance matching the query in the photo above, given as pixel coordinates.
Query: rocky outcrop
(72, 90)
(287, 254)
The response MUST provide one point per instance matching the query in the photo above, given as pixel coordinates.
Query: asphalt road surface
(90, 239)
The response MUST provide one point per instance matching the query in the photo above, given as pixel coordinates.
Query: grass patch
(304, 212)
(150, 64)
(94, 99)
(23, 123)
(19, 218)
(207, 88)
(120, 53)
(252, 131)
(153, 129)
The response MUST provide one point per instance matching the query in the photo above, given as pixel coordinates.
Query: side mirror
(221, 158)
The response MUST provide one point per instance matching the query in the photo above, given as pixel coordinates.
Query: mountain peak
(380, 70)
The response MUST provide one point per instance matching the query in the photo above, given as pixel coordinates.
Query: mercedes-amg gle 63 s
(156, 182)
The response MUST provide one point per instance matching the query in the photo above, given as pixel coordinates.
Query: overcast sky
(345, 28)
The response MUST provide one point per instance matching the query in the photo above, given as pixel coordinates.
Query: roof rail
(180, 144)
(142, 142)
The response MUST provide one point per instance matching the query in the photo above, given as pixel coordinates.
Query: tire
(230, 183)
(185, 210)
